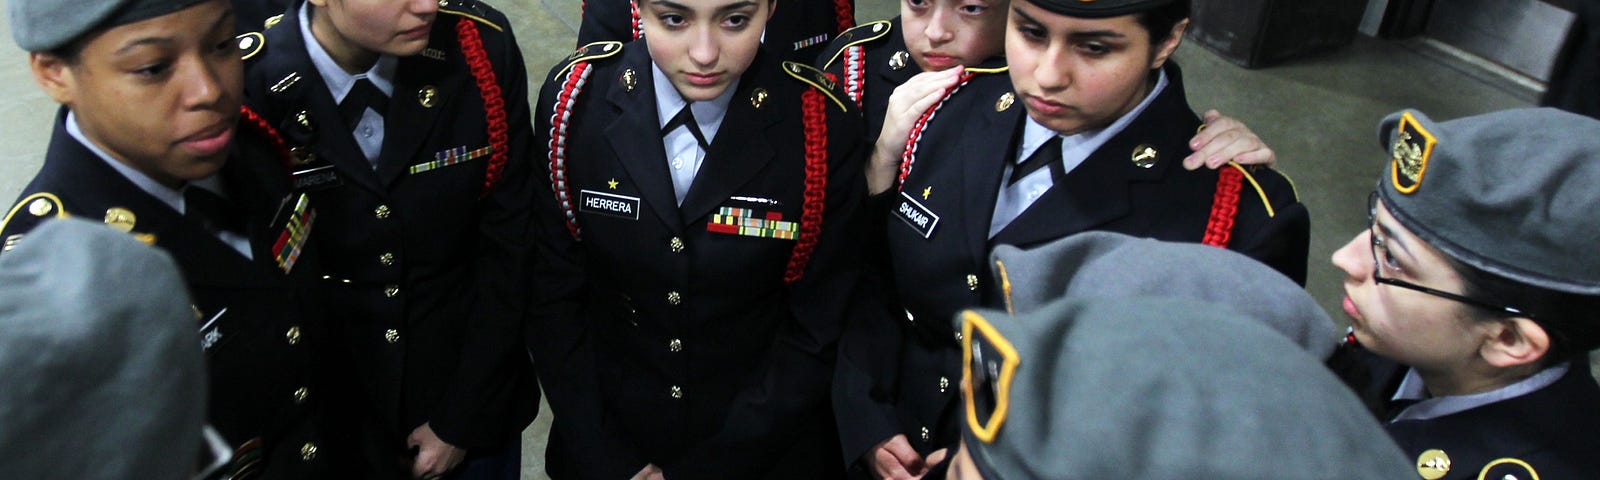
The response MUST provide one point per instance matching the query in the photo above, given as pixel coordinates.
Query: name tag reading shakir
(608, 204)
(917, 216)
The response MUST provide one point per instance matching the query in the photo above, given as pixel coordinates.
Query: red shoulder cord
(494, 107)
(815, 118)
(910, 154)
(855, 71)
(279, 146)
(557, 151)
(1224, 206)
(846, 11)
(638, 28)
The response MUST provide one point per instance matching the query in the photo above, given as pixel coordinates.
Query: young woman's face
(940, 34)
(376, 27)
(1408, 326)
(161, 95)
(704, 45)
(1076, 74)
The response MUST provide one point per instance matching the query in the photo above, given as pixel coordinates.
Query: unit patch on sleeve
(752, 223)
(608, 204)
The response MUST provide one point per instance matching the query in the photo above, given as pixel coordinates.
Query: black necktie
(686, 118)
(1044, 156)
(362, 95)
(214, 213)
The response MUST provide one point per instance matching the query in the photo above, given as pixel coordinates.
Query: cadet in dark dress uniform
(798, 31)
(156, 153)
(1110, 161)
(418, 151)
(1471, 298)
(699, 269)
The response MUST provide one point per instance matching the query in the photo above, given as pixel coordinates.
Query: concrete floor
(1319, 114)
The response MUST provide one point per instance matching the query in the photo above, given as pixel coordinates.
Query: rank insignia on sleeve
(608, 204)
(296, 229)
(1412, 147)
(752, 223)
(918, 217)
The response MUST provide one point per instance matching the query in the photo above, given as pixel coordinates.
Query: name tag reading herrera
(611, 205)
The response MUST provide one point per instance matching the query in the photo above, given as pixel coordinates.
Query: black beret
(1098, 8)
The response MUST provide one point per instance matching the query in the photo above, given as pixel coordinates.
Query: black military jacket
(870, 61)
(1549, 432)
(426, 263)
(668, 334)
(262, 327)
(797, 31)
(901, 377)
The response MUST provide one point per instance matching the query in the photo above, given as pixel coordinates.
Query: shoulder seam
(1260, 192)
(472, 16)
(606, 49)
(816, 80)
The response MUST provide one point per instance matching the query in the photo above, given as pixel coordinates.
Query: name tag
(915, 215)
(608, 204)
(318, 178)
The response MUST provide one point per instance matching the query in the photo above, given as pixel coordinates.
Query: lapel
(204, 258)
(742, 147)
(982, 166)
(408, 122)
(1097, 191)
(644, 159)
(311, 93)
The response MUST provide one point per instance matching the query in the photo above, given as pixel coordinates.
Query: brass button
(386, 259)
(391, 290)
(676, 392)
(308, 452)
(926, 435)
(944, 384)
(675, 345)
(676, 244)
(972, 282)
(910, 317)
(381, 212)
(391, 335)
(300, 395)
(674, 298)
(293, 335)
(958, 336)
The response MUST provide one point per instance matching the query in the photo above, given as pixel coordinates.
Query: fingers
(1225, 139)
(937, 457)
(422, 466)
(905, 456)
(887, 467)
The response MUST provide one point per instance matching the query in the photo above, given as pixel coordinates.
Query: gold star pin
(612, 184)
(926, 191)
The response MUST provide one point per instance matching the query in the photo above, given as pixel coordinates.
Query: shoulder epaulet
(468, 9)
(859, 35)
(988, 70)
(593, 51)
(39, 206)
(816, 79)
(1249, 175)
(251, 44)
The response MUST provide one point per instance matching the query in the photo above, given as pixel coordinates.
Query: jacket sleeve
(487, 401)
(869, 349)
(1273, 226)
(795, 377)
(557, 334)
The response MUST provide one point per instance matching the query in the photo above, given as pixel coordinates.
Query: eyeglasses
(1377, 269)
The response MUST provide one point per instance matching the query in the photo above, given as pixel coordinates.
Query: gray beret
(1096, 264)
(1513, 193)
(45, 25)
(1156, 388)
(101, 373)
(1098, 8)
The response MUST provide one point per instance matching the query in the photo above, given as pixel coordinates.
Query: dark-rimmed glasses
(1377, 270)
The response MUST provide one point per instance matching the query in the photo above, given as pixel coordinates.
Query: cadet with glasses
(1472, 296)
